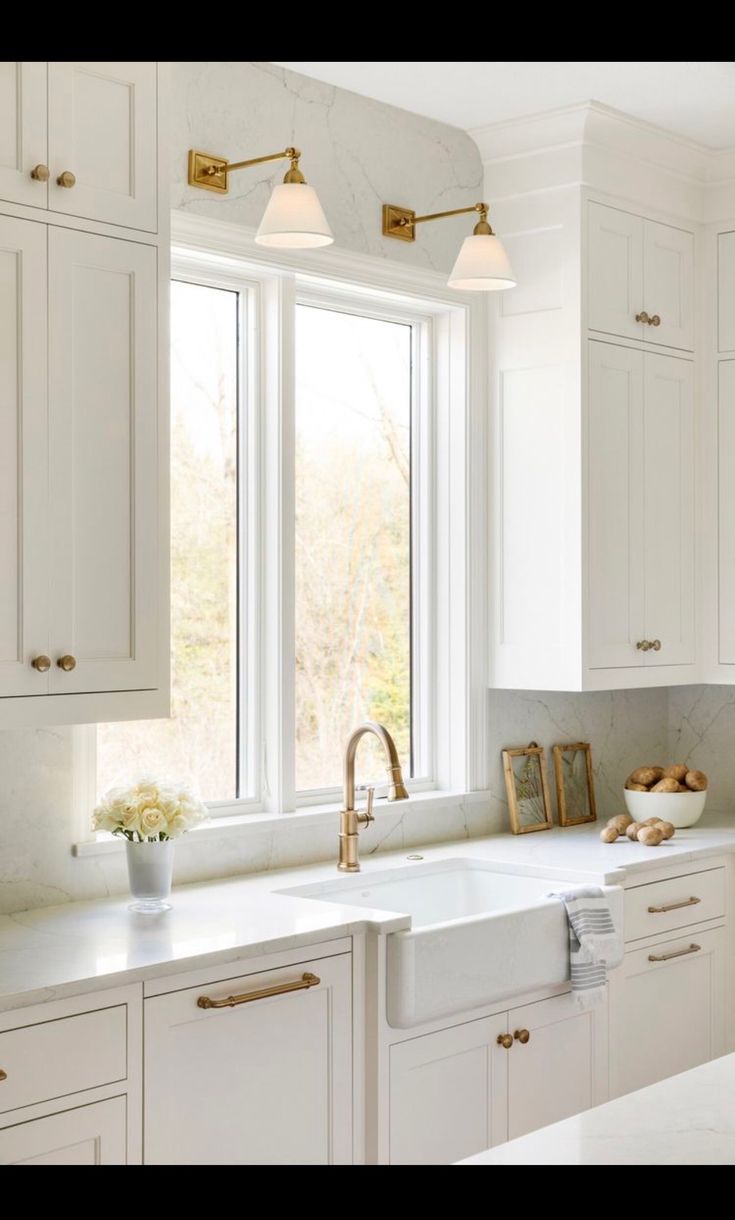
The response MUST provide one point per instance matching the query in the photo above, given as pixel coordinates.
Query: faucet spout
(350, 819)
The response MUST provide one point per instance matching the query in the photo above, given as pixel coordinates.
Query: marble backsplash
(702, 734)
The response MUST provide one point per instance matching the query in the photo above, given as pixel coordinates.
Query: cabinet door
(87, 1135)
(667, 1009)
(22, 131)
(24, 632)
(561, 1069)
(669, 509)
(726, 511)
(616, 611)
(102, 129)
(668, 284)
(615, 271)
(448, 1094)
(267, 1082)
(726, 292)
(103, 461)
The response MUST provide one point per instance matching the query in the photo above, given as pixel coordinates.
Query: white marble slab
(686, 1120)
(57, 951)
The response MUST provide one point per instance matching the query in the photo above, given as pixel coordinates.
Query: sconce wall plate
(398, 222)
(201, 165)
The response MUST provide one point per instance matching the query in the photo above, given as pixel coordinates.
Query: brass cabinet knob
(644, 645)
(656, 645)
(67, 663)
(505, 1040)
(42, 664)
(41, 173)
(522, 1036)
(642, 317)
(654, 321)
(3, 1075)
(66, 179)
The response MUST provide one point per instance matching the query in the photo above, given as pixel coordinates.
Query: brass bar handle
(505, 1040)
(67, 663)
(66, 179)
(41, 664)
(666, 957)
(303, 984)
(40, 173)
(642, 317)
(523, 1036)
(3, 1075)
(674, 906)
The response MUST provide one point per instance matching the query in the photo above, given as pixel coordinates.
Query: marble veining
(688, 1119)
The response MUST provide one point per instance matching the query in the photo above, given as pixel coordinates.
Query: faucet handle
(366, 815)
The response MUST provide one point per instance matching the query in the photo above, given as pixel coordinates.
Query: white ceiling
(696, 100)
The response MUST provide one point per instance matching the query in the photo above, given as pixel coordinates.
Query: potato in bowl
(676, 794)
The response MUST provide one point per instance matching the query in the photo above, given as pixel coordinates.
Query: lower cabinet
(460, 1090)
(263, 1079)
(667, 1009)
(86, 1135)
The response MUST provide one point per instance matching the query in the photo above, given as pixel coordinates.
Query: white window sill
(315, 815)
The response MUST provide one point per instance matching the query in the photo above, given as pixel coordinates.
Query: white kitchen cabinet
(558, 1063)
(24, 627)
(102, 131)
(268, 1081)
(103, 462)
(640, 268)
(667, 1008)
(85, 1135)
(448, 1093)
(726, 292)
(23, 137)
(641, 509)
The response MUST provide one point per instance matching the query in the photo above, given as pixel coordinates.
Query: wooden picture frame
(575, 786)
(527, 787)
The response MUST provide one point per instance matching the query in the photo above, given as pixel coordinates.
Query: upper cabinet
(640, 279)
(79, 138)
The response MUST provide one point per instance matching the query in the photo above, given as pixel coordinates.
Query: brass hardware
(400, 222)
(66, 179)
(666, 957)
(674, 906)
(505, 1040)
(642, 317)
(649, 645)
(41, 173)
(42, 664)
(656, 645)
(212, 173)
(350, 820)
(3, 1075)
(303, 984)
(522, 1036)
(67, 663)
(654, 321)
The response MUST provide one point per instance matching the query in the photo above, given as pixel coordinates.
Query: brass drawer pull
(666, 957)
(505, 1040)
(3, 1075)
(522, 1036)
(674, 906)
(303, 984)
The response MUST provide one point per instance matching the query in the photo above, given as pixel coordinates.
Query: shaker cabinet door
(23, 143)
(668, 278)
(615, 271)
(87, 1135)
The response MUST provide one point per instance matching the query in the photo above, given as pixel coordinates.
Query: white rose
(147, 788)
(104, 818)
(130, 819)
(153, 822)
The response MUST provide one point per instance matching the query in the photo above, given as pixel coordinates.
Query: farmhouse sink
(477, 935)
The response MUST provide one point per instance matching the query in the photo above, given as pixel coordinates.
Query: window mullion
(277, 426)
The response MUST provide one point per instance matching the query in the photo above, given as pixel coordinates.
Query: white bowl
(680, 808)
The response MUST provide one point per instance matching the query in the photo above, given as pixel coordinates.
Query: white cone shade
(293, 219)
(482, 265)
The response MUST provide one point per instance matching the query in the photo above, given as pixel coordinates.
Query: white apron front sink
(477, 936)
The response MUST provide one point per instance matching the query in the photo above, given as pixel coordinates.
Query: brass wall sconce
(293, 219)
(482, 263)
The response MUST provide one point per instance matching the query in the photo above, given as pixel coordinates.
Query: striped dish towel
(594, 944)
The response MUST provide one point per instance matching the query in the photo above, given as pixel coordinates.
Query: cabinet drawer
(54, 1058)
(663, 906)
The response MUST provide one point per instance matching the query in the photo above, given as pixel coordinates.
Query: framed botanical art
(526, 784)
(575, 789)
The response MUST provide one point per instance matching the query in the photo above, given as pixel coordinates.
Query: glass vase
(150, 867)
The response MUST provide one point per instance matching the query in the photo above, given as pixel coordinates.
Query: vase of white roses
(150, 816)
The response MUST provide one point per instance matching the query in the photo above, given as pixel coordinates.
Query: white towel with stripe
(594, 944)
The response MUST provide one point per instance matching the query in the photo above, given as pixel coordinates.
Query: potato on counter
(609, 834)
(650, 836)
(632, 831)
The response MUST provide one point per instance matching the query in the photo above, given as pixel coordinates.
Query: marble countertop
(686, 1120)
(66, 950)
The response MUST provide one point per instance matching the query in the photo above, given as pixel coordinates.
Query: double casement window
(312, 532)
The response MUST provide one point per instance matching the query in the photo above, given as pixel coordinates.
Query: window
(319, 540)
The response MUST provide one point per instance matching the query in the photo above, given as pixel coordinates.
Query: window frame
(451, 370)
